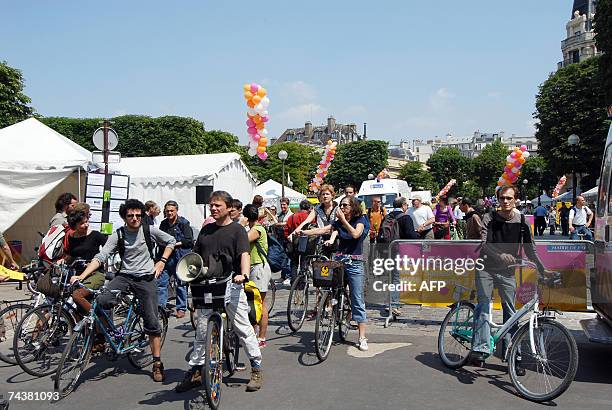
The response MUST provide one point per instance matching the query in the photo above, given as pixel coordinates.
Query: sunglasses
(506, 198)
(375, 201)
(344, 205)
(132, 216)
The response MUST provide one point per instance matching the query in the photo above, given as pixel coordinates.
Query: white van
(387, 189)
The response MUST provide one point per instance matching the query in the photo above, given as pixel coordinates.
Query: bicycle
(126, 338)
(270, 295)
(14, 310)
(222, 344)
(42, 333)
(334, 305)
(297, 305)
(542, 345)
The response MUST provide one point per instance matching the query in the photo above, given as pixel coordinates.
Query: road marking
(375, 349)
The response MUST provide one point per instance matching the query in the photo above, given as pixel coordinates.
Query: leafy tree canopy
(446, 164)
(488, 166)
(355, 161)
(603, 39)
(14, 104)
(417, 177)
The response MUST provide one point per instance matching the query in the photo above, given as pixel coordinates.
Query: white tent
(37, 164)
(591, 194)
(175, 178)
(272, 191)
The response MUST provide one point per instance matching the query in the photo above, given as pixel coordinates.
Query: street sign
(97, 157)
(98, 139)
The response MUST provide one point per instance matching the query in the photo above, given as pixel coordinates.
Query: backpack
(117, 259)
(275, 256)
(254, 301)
(53, 244)
(389, 228)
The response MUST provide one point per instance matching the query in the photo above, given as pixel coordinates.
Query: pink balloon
(523, 148)
(265, 119)
(263, 156)
(252, 130)
(250, 123)
(513, 155)
(254, 88)
(256, 137)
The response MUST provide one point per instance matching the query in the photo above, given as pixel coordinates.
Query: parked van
(387, 189)
(600, 329)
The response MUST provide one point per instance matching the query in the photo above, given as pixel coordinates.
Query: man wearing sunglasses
(138, 271)
(505, 234)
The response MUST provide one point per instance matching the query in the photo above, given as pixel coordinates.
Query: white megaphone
(191, 268)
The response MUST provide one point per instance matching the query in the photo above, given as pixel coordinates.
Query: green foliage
(543, 178)
(571, 101)
(446, 164)
(488, 166)
(141, 136)
(603, 28)
(355, 161)
(300, 164)
(417, 177)
(14, 104)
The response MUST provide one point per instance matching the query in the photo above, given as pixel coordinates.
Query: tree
(355, 161)
(417, 177)
(300, 164)
(220, 141)
(571, 101)
(14, 104)
(139, 136)
(603, 39)
(489, 165)
(543, 178)
(446, 164)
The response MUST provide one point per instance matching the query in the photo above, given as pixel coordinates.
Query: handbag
(48, 285)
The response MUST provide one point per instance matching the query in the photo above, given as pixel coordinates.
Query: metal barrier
(435, 267)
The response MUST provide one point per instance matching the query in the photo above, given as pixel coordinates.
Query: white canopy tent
(175, 178)
(271, 192)
(591, 194)
(37, 165)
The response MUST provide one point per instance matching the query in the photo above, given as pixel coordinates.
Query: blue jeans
(162, 287)
(588, 236)
(356, 279)
(395, 295)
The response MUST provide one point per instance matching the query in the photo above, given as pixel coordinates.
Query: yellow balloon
(262, 92)
(261, 150)
(248, 95)
(247, 87)
(263, 141)
(256, 99)
(521, 160)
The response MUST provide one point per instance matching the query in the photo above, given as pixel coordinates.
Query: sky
(410, 69)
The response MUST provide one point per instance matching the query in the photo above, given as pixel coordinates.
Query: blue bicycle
(123, 331)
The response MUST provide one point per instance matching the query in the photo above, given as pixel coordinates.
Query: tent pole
(79, 171)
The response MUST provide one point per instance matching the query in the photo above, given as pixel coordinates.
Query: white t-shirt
(458, 213)
(420, 215)
(580, 216)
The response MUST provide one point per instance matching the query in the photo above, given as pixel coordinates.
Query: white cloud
(440, 99)
(299, 91)
(297, 115)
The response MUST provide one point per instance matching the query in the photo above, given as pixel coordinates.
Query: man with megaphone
(224, 249)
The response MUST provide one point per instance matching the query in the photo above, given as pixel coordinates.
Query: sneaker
(363, 344)
(158, 372)
(396, 312)
(256, 380)
(287, 282)
(519, 369)
(193, 378)
(262, 343)
(180, 314)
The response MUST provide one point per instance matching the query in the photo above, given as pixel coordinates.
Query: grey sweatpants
(485, 283)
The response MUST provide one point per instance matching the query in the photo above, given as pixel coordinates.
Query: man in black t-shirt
(228, 243)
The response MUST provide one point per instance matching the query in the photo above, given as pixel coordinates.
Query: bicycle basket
(327, 274)
(49, 284)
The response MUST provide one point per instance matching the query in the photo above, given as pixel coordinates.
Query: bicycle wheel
(231, 350)
(213, 365)
(551, 368)
(297, 305)
(74, 361)
(270, 295)
(40, 339)
(344, 325)
(141, 356)
(324, 326)
(455, 337)
(10, 317)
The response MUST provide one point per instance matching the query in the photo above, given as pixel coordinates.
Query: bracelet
(164, 260)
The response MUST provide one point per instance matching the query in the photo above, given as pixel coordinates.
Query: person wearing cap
(422, 217)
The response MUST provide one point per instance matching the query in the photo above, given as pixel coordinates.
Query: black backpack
(389, 228)
(121, 241)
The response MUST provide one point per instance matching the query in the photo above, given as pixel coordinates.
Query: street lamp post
(525, 182)
(539, 172)
(573, 141)
(282, 155)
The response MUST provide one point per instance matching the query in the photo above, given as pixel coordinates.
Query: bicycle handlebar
(553, 279)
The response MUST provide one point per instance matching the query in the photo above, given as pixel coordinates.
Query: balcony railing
(580, 38)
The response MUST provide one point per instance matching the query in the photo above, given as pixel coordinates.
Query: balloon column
(447, 188)
(257, 100)
(514, 162)
(326, 159)
(559, 186)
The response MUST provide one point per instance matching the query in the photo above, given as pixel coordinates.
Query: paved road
(401, 370)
